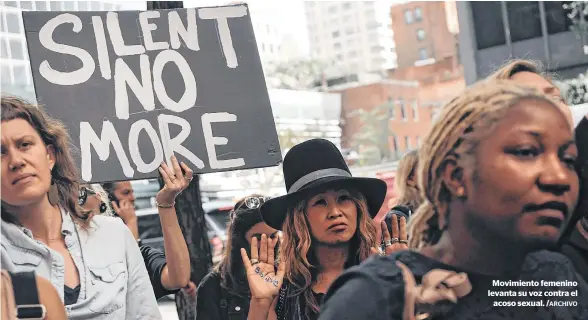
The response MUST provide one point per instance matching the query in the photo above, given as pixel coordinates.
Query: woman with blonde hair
(406, 182)
(497, 172)
(93, 261)
(530, 73)
(326, 220)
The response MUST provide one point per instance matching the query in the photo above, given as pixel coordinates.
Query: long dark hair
(52, 132)
(230, 268)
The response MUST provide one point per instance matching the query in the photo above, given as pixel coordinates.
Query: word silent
(151, 83)
(164, 145)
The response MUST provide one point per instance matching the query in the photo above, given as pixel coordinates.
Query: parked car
(216, 215)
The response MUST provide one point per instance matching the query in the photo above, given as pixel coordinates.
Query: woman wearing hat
(326, 220)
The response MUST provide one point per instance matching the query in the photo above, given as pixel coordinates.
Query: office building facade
(352, 37)
(492, 32)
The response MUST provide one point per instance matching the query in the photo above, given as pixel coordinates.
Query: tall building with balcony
(353, 37)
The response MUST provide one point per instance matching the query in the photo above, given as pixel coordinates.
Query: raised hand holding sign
(175, 182)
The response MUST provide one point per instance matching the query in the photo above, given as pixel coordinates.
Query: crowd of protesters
(497, 191)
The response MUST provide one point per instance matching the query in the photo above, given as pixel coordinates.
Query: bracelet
(165, 206)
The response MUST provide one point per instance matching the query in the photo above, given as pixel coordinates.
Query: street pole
(191, 219)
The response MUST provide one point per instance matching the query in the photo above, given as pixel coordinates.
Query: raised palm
(264, 282)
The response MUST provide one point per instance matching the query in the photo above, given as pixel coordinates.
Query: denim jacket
(114, 283)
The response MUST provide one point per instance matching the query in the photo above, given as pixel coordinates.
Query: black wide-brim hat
(315, 166)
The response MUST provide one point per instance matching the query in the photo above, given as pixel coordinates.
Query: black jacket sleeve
(155, 262)
(208, 298)
(360, 293)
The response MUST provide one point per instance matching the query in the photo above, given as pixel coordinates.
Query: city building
(492, 32)
(425, 32)
(392, 103)
(351, 37)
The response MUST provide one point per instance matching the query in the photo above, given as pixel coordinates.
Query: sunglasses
(250, 203)
(83, 197)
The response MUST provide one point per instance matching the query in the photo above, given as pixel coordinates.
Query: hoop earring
(53, 194)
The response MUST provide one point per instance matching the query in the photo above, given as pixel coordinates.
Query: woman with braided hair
(497, 175)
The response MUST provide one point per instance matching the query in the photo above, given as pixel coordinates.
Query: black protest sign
(135, 87)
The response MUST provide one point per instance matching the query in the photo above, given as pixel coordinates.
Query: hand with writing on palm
(264, 282)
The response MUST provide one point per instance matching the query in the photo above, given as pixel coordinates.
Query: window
(391, 109)
(523, 19)
(55, 6)
(12, 22)
(95, 5)
(27, 5)
(347, 5)
(42, 5)
(350, 30)
(420, 34)
(339, 57)
(337, 46)
(271, 48)
(5, 74)
(408, 16)
(11, 4)
(83, 6)
(16, 49)
(418, 14)
(423, 55)
(418, 141)
(415, 110)
(406, 143)
(4, 49)
(352, 54)
(557, 17)
(373, 25)
(69, 6)
(335, 34)
(332, 9)
(395, 143)
(377, 49)
(488, 24)
(402, 109)
(2, 22)
(20, 74)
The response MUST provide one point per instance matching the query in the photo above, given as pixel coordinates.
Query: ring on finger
(254, 262)
(403, 241)
(395, 240)
(388, 243)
